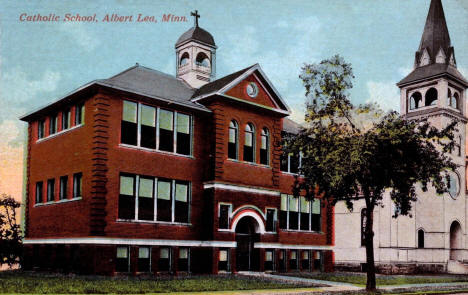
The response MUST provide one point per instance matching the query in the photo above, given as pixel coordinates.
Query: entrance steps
(457, 267)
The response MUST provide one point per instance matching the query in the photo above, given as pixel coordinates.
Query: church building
(146, 172)
(433, 238)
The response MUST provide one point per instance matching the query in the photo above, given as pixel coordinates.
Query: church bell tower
(435, 90)
(196, 55)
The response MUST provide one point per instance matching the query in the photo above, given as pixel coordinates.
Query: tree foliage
(359, 152)
(10, 231)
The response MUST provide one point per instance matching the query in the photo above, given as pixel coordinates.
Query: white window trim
(299, 216)
(229, 216)
(174, 131)
(275, 219)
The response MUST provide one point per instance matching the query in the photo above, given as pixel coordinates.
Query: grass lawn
(382, 280)
(41, 283)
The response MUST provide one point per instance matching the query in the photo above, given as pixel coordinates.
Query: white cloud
(83, 37)
(385, 94)
(404, 71)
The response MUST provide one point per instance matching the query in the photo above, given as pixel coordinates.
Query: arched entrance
(247, 233)
(456, 242)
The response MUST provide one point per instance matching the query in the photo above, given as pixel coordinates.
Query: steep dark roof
(433, 70)
(220, 83)
(196, 34)
(436, 34)
(290, 126)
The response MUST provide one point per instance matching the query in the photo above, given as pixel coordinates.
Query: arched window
(249, 144)
(431, 97)
(233, 140)
(184, 59)
(415, 100)
(455, 101)
(449, 98)
(202, 60)
(265, 147)
(420, 238)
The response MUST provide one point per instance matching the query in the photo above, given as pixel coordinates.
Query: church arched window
(249, 143)
(431, 97)
(455, 101)
(420, 238)
(202, 60)
(265, 147)
(233, 140)
(415, 100)
(184, 59)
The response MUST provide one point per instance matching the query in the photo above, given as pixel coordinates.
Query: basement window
(223, 261)
(164, 263)
(293, 260)
(122, 259)
(144, 259)
(305, 260)
(183, 263)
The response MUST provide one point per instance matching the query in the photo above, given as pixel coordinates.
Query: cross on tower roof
(196, 16)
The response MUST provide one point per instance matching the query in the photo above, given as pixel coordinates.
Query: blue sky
(40, 62)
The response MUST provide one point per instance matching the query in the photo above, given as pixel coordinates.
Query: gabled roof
(432, 71)
(220, 86)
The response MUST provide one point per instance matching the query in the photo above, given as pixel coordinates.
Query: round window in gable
(252, 89)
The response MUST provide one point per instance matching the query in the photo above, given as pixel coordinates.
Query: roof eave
(402, 84)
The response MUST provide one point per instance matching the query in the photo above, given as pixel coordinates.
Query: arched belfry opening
(247, 234)
(431, 97)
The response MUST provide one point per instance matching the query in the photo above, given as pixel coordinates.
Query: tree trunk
(369, 241)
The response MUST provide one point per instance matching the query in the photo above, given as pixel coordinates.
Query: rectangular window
(305, 260)
(77, 185)
(145, 199)
(79, 114)
(293, 260)
(316, 220)
(166, 130)
(293, 212)
(164, 202)
(282, 260)
(283, 215)
(181, 202)
(65, 119)
(269, 260)
(129, 123)
(50, 190)
(148, 127)
(164, 263)
(284, 163)
(270, 220)
(63, 187)
(224, 211)
(317, 260)
(127, 197)
(305, 213)
(40, 129)
(223, 262)
(183, 134)
(183, 261)
(294, 163)
(144, 259)
(122, 259)
(52, 125)
(39, 192)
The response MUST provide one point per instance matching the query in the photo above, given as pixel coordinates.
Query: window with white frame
(165, 259)
(223, 216)
(249, 143)
(66, 119)
(144, 259)
(79, 114)
(63, 187)
(183, 263)
(77, 185)
(299, 213)
(146, 198)
(40, 129)
(269, 260)
(270, 220)
(122, 261)
(290, 162)
(233, 143)
(154, 128)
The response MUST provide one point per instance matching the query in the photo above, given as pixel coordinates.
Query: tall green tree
(10, 231)
(359, 152)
